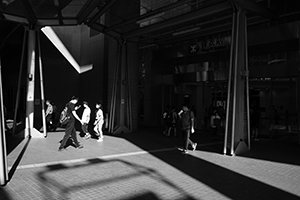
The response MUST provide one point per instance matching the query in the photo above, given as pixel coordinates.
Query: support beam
(27, 10)
(42, 86)
(256, 8)
(237, 112)
(149, 14)
(19, 82)
(210, 10)
(3, 154)
(100, 28)
(58, 9)
(86, 10)
(101, 12)
(30, 131)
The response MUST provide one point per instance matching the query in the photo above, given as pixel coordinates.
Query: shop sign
(209, 45)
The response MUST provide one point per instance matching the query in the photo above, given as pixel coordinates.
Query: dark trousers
(49, 122)
(84, 128)
(70, 131)
(214, 132)
(186, 138)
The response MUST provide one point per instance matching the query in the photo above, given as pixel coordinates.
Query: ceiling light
(186, 31)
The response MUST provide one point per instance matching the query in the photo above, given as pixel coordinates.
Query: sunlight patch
(51, 35)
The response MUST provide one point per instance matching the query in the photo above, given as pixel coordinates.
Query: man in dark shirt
(70, 127)
(187, 118)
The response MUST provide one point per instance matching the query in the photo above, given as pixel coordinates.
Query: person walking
(99, 121)
(85, 118)
(187, 118)
(173, 125)
(215, 123)
(49, 116)
(167, 119)
(70, 126)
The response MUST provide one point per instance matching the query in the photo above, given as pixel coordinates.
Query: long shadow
(18, 160)
(4, 194)
(50, 185)
(275, 150)
(11, 141)
(229, 183)
(279, 151)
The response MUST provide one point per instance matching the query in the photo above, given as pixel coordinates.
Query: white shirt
(99, 116)
(86, 115)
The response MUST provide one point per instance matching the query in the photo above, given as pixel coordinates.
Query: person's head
(99, 104)
(85, 104)
(48, 102)
(74, 99)
(185, 107)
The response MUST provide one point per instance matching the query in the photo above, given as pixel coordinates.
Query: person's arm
(76, 116)
(179, 114)
(212, 121)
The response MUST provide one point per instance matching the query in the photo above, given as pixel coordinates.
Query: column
(237, 112)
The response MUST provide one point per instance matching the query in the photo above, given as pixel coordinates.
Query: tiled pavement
(146, 165)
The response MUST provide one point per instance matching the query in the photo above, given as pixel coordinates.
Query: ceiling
(144, 21)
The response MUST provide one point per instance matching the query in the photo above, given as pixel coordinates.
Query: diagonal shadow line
(233, 186)
(139, 171)
(227, 182)
(18, 160)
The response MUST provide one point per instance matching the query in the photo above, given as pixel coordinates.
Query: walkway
(146, 165)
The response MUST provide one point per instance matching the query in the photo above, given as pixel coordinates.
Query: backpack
(64, 117)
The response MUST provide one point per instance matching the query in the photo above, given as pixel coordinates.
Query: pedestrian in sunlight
(187, 118)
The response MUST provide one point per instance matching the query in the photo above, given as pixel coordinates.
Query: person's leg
(175, 130)
(215, 133)
(74, 137)
(85, 130)
(96, 130)
(99, 127)
(193, 144)
(48, 125)
(66, 136)
(212, 133)
(186, 139)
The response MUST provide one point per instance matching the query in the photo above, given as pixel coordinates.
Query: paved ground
(147, 165)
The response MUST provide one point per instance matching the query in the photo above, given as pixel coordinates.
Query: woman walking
(99, 121)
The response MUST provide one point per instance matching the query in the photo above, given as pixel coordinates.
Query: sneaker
(194, 146)
(87, 136)
(185, 152)
(79, 146)
(61, 149)
(100, 140)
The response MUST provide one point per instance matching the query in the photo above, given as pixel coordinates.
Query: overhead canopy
(146, 21)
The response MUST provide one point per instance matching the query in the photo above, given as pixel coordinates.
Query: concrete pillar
(237, 123)
(30, 131)
(124, 90)
(3, 157)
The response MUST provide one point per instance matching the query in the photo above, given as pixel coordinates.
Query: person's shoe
(100, 140)
(61, 149)
(194, 146)
(87, 136)
(79, 147)
(185, 152)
